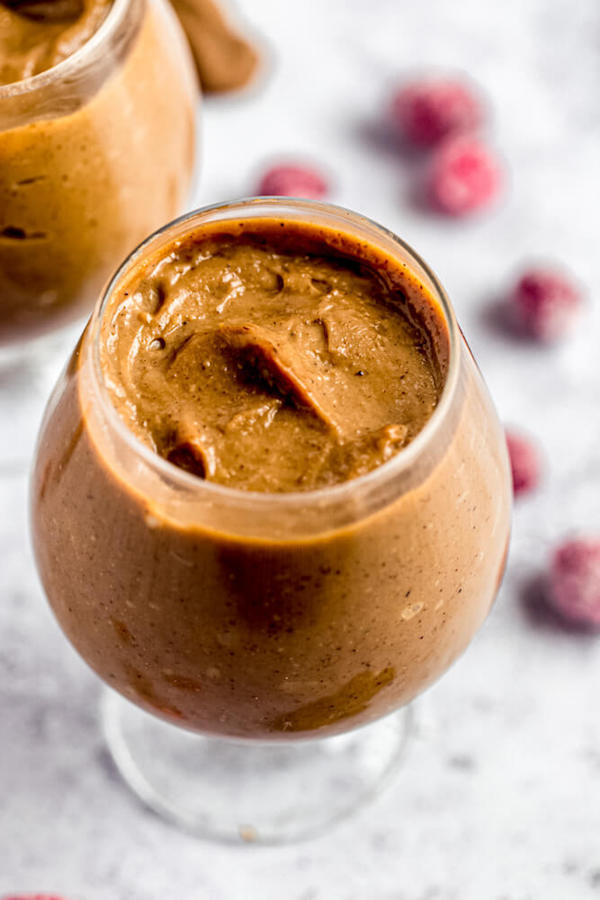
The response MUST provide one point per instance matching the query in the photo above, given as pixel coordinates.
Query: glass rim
(386, 472)
(75, 60)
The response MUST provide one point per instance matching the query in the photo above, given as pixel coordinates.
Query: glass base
(258, 792)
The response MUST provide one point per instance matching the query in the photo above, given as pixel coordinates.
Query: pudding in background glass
(95, 151)
(270, 615)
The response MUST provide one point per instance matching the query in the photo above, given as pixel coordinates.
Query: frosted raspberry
(575, 581)
(429, 110)
(545, 302)
(32, 897)
(524, 463)
(293, 181)
(465, 176)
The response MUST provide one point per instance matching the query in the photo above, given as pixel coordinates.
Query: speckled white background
(500, 795)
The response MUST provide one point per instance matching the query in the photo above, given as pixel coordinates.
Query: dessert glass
(267, 626)
(95, 153)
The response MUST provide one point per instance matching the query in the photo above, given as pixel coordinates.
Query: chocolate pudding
(36, 35)
(271, 496)
(275, 357)
(96, 147)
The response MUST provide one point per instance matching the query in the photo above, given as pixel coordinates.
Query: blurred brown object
(47, 10)
(225, 60)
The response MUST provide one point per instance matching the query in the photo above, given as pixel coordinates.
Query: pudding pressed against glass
(271, 496)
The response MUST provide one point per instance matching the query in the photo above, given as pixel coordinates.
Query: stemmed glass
(211, 611)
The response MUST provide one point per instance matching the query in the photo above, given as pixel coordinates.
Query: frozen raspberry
(575, 581)
(524, 463)
(465, 176)
(429, 110)
(32, 897)
(545, 303)
(293, 181)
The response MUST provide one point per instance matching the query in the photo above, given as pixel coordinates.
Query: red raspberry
(524, 463)
(545, 303)
(429, 110)
(575, 581)
(293, 181)
(465, 176)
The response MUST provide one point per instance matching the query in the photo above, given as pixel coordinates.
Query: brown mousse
(36, 35)
(89, 163)
(268, 358)
(270, 615)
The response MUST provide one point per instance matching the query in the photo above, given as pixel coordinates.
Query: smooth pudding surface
(275, 356)
(36, 35)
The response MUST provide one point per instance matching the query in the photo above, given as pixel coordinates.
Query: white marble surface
(500, 795)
